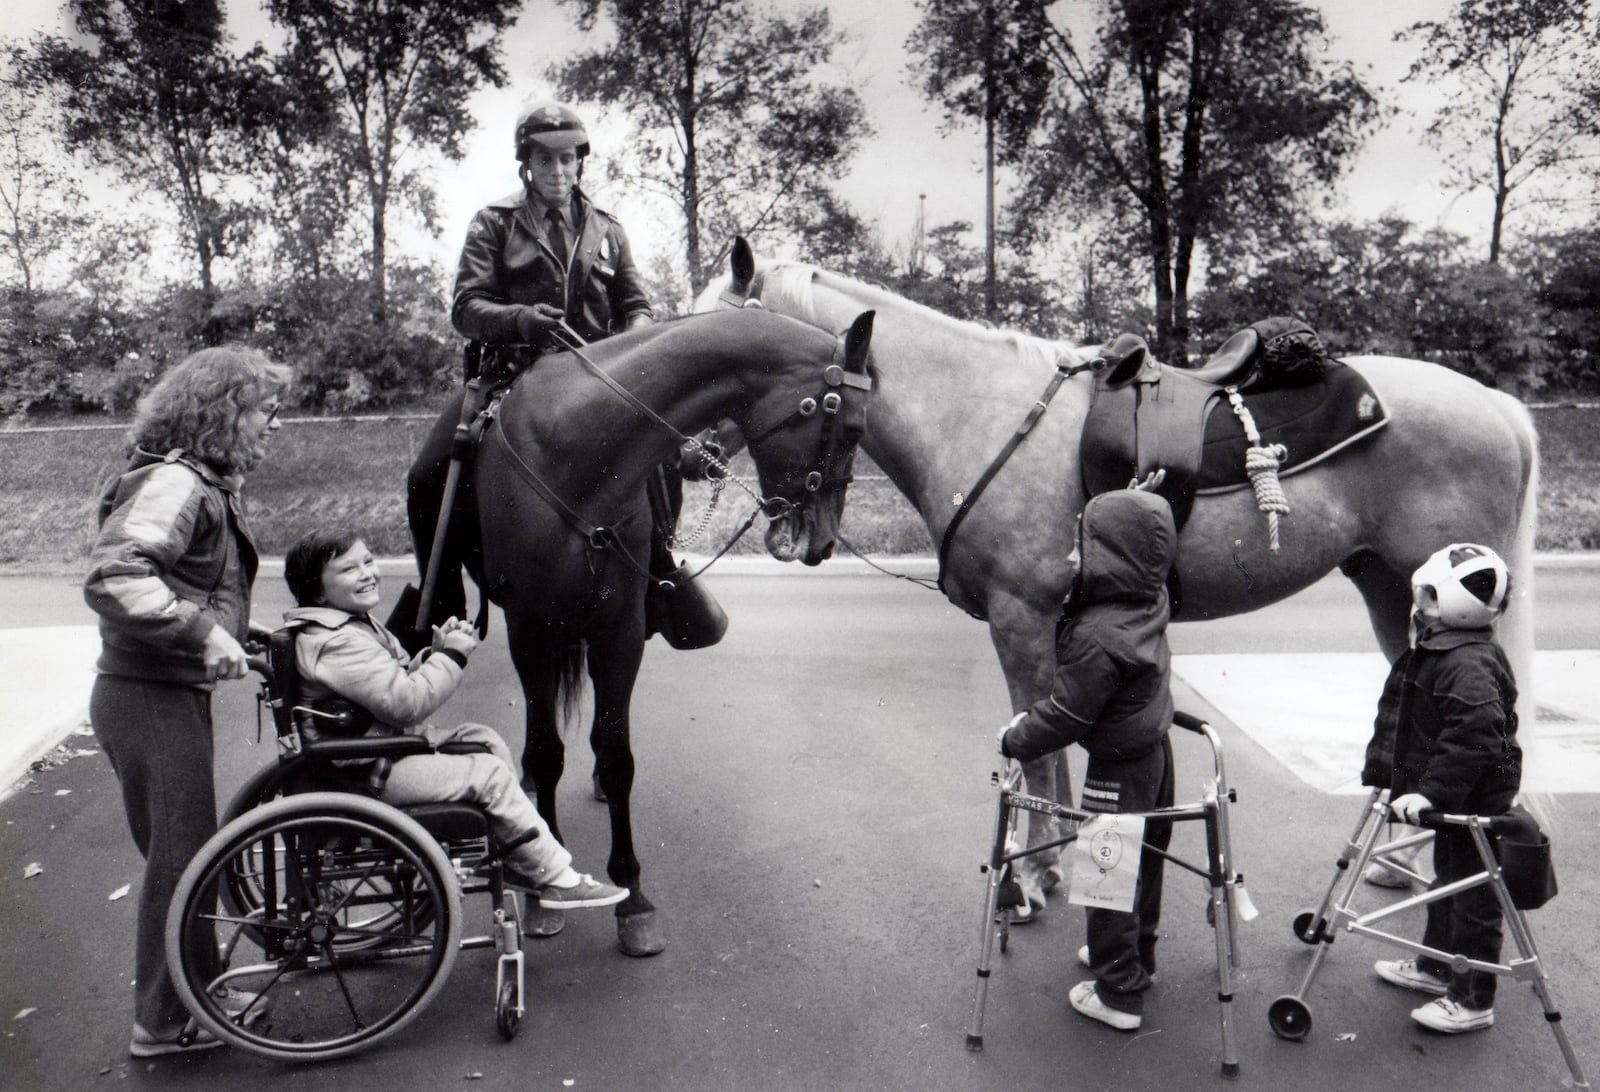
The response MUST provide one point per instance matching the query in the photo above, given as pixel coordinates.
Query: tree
(1510, 113)
(1185, 123)
(39, 197)
(156, 95)
(731, 122)
(403, 71)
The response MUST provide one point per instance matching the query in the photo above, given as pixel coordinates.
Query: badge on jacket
(603, 258)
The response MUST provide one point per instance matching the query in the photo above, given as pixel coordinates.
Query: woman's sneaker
(145, 1044)
(1405, 973)
(1086, 1000)
(1452, 1017)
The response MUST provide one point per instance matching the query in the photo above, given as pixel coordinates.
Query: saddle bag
(1525, 862)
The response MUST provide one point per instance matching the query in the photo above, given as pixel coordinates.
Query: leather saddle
(1146, 415)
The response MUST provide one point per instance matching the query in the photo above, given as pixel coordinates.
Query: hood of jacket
(1126, 549)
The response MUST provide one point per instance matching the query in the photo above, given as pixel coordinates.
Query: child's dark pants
(1122, 946)
(1467, 924)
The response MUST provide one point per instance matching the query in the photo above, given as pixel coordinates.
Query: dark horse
(555, 525)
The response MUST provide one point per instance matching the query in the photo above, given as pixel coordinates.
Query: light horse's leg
(614, 660)
(1024, 639)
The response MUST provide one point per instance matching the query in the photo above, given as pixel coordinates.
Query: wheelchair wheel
(505, 1010)
(242, 888)
(336, 970)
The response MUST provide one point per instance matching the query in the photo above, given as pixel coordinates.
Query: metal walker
(1289, 1015)
(1229, 902)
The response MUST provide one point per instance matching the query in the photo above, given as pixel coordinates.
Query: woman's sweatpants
(1122, 946)
(157, 737)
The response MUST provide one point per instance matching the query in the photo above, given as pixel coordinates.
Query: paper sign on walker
(1105, 862)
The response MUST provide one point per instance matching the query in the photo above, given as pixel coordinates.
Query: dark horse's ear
(741, 265)
(858, 341)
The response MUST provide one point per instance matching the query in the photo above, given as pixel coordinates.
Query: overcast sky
(908, 155)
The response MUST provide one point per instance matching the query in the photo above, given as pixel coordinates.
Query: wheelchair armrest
(1188, 721)
(368, 747)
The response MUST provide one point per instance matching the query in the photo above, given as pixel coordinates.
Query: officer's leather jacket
(506, 267)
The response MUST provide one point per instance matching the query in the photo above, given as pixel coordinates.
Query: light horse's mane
(792, 286)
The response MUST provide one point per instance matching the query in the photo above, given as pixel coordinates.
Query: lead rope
(1261, 462)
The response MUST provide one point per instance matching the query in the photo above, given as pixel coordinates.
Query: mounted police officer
(533, 259)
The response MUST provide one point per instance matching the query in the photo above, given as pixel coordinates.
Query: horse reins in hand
(1064, 372)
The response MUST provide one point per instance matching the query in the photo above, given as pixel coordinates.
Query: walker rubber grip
(1188, 721)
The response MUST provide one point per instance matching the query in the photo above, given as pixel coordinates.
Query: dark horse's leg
(613, 669)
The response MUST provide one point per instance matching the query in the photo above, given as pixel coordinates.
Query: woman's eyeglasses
(272, 409)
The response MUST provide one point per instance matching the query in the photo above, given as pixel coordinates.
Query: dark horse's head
(802, 433)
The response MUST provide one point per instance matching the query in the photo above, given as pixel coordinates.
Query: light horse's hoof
(537, 921)
(640, 934)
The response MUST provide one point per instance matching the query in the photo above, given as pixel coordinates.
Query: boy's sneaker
(1452, 1017)
(145, 1045)
(587, 892)
(1378, 876)
(1406, 973)
(1086, 999)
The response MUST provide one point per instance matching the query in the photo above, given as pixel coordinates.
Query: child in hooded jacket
(1445, 737)
(1112, 694)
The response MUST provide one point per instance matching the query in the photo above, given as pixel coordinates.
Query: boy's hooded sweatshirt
(1112, 690)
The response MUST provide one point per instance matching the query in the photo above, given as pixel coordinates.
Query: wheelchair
(343, 913)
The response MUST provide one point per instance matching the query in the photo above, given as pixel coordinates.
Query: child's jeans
(1467, 924)
(1122, 946)
(488, 780)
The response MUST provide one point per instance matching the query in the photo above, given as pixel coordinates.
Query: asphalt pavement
(811, 808)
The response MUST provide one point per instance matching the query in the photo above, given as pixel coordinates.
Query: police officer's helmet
(553, 125)
(1464, 586)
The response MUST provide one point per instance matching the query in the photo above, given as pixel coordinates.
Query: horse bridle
(844, 421)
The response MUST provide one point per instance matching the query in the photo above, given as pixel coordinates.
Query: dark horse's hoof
(640, 934)
(594, 787)
(540, 922)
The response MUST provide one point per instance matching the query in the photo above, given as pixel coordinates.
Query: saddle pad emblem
(1366, 408)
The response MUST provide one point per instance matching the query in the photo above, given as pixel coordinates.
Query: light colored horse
(1457, 462)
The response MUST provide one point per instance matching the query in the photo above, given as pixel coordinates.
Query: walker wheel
(1289, 1017)
(505, 1010)
(1308, 928)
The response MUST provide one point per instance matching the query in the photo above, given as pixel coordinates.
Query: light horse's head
(802, 433)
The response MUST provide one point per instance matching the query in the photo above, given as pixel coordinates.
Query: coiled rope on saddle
(1261, 462)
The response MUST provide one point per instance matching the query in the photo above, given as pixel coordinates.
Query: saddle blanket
(1312, 422)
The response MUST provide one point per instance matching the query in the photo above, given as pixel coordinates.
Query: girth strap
(1063, 373)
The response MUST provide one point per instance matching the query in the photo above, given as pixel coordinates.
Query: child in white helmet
(1445, 737)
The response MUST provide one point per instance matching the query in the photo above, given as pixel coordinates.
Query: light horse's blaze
(563, 524)
(1457, 462)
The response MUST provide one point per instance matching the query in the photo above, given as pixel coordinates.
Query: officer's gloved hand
(535, 321)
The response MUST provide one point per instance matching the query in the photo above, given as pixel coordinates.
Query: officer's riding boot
(675, 605)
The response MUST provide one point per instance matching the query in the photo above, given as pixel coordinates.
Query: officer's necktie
(558, 237)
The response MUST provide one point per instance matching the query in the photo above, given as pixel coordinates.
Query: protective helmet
(1464, 586)
(553, 125)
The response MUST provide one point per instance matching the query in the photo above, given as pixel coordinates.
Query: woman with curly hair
(170, 578)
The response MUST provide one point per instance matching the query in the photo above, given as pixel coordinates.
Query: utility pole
(919, 239)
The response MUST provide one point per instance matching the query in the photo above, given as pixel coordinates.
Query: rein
(1063, 373)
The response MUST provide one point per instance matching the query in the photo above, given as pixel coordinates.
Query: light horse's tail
(1516, 630)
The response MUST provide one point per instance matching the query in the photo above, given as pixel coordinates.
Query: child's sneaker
(1452, 1017)
(1406, 973)
(1378, 876)
(145, 1044)
(1086, 999)
(587, 892)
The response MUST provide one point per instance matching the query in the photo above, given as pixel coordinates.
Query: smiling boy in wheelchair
(358, 677)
